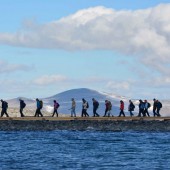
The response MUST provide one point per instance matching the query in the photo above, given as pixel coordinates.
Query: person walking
(4, 108)
(159, 106)
(141, 108)
(22, 106)
(56, 106)
(106, 108)
(131, 108)
(39, 107)
(121, 109)
(95, 107)
(147, 106)
(155, 107)
(85, 106)
(73, 108)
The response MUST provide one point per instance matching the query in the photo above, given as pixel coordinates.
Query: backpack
(24, 104)
(58, 105)
(41, 104)
(160, 104)
(87, 105)
(149, 105)
(133, 106)
(6, 105)
(97, 104)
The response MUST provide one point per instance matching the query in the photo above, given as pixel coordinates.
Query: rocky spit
(83, 124)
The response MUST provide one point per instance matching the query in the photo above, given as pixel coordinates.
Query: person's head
(145, 101)
(106, 101)
(130, 101)
(37, 99)
(93, 99)
(1, 100)
(72, 99)
(154, 99)
(54, 101)
(83, 100)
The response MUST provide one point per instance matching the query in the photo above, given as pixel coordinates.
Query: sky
(119, 47)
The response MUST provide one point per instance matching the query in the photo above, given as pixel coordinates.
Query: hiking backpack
(149, 105)
(24, 104)
(41, 104)
(160, 104)
(87, 105)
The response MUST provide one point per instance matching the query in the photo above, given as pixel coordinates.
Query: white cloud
(50, 80)
(144, 34)
(6, 67)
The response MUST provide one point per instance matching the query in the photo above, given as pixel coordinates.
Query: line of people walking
(143, 108)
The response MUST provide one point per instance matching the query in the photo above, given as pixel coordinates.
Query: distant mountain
(64, 100)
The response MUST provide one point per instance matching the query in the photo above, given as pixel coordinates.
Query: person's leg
(74, 112)
(94, 112)
(123, 113)
(147, 113)
(97, 114)
(105, 112)
(87, 113)
(154, 113)
(6, 113)
(140, 111)
(21, 112)
(131, 114)
(36, 112)
(158, 114)
(2, 112)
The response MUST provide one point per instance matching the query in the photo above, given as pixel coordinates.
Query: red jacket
(121, 106)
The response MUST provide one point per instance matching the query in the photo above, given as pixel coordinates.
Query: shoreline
(115, 124)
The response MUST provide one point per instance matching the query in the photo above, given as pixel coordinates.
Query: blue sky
(113, 46)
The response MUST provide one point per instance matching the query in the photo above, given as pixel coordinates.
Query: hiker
(121, 109)
(73, 108)
(131, 108)
(39, 107)
(22, 106)
(4, 108)
(141, 108)
(56, 106)
(95, 107)
(155, 108)
(147, 106)
(85, 106)
(159, 106)
(108, 108)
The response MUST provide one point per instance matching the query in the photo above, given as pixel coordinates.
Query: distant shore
(115, 124)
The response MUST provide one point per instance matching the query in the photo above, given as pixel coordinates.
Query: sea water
(50, 150)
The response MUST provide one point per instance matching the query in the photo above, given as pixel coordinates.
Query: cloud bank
(144, 34)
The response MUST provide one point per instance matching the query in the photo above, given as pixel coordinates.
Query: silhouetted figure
(141, 108)
(4, 108)
(131, 108)
(22, 106)
(121, 109)
(147, 106)
(108, 108)
(155, 108)
(159, 106)
(73, 108)
(85, 106)
(39, 107)
(95, 107)
(56, 106)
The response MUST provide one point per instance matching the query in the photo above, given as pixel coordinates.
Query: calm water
(84, 150)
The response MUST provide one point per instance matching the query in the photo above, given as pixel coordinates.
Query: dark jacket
(4, 105)
(95, 104)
